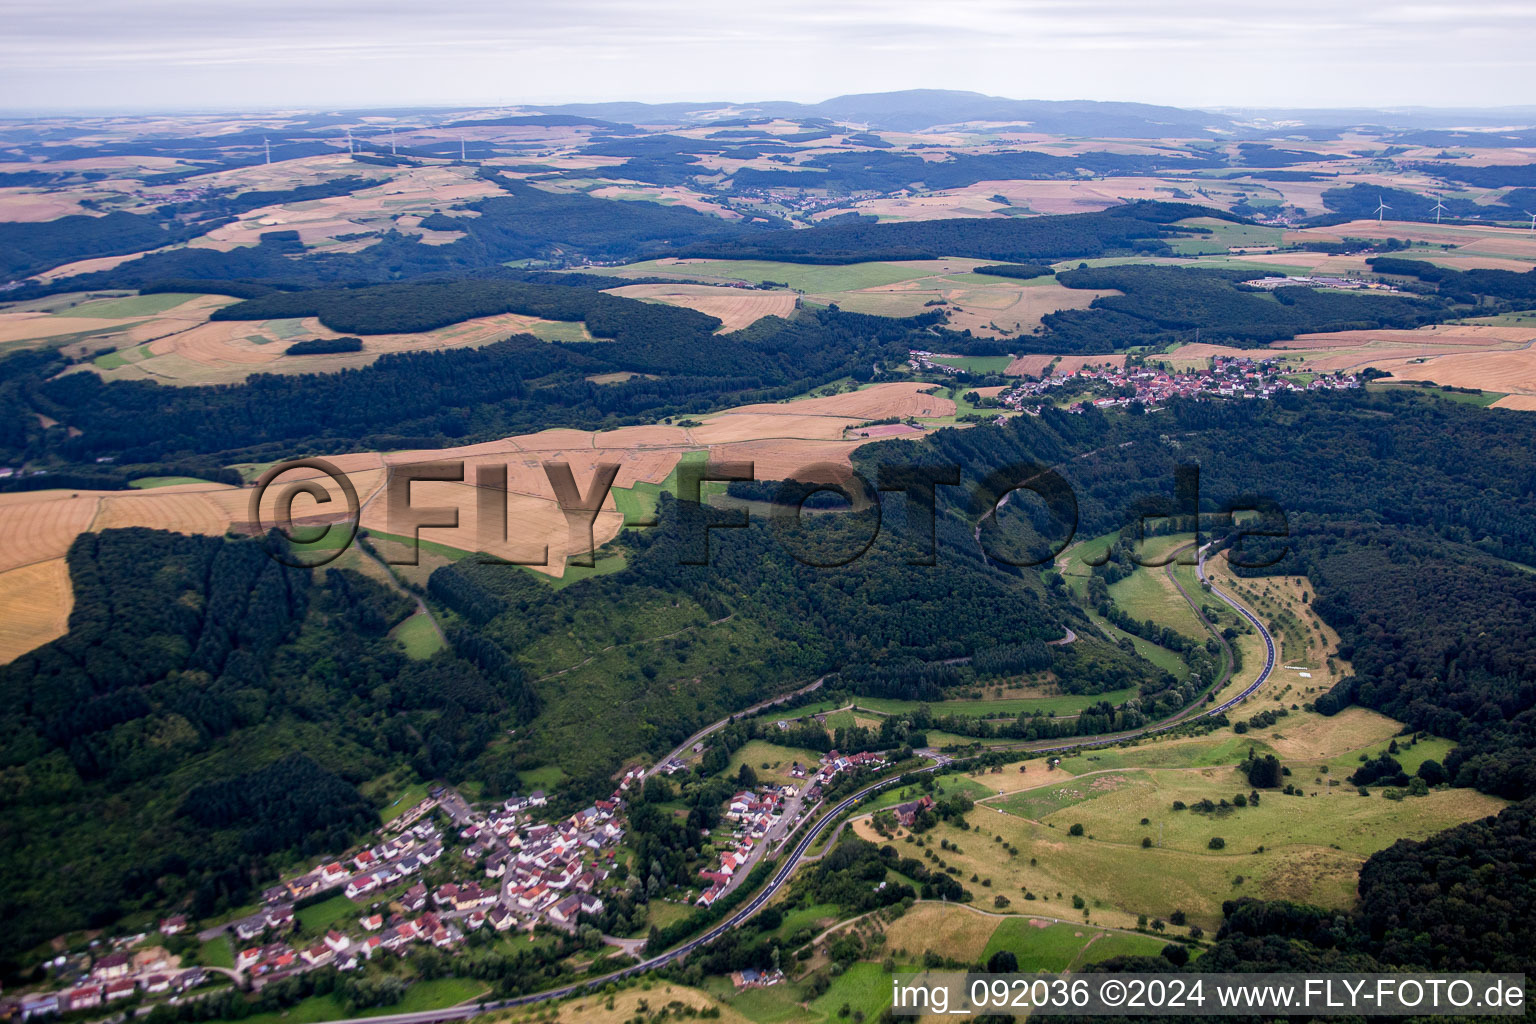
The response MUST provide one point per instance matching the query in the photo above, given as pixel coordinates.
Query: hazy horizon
(113, 55)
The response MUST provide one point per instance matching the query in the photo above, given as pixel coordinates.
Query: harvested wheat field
(228, 351)
(536, 530)
(1029, 366)
(33, 206)
(878, 401)
(1523, 402)
(667, 195)
(1197, 356)
(34, 606)
(39, 525)
(1510, 372)
(1071, 364)
(735, 308)
(781, 459)
(91, 326)
(1000, 310)
(90, 266)
(1469, 240)
(178, 509)
(1438, 335)
(1476, 351)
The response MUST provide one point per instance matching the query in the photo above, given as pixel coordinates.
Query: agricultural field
(35, 601)
(1148, 595)
(1224, 236)
(229, 351)
(397, 202)
(1312, 845)
(1011, 707)
(986, 305)
(735, 307)
(1513, 248)
(80, 323)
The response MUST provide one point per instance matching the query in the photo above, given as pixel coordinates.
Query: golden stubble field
(735, 307)
(1504, 243)
(228, 351)
(780, 439)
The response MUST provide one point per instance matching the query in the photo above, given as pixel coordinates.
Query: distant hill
(914, 109)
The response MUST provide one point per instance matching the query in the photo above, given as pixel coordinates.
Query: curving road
(791, 862)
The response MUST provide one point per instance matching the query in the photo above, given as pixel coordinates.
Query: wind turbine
(1381, 204)
(1531, 215)
(267, 146)
(1438, 208)
(391, 140)
(350, 148)
(461, 149)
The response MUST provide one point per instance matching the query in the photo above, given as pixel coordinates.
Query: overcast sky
(245, 54)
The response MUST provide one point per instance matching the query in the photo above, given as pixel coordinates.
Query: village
(510, 870)
(1226, 377)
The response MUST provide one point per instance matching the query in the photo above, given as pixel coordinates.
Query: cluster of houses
(921, 361)
(834, 764)
(751, 814)
(112, 977)
(534, 871)
(1227, 377)
(372, 870)
(549, 870)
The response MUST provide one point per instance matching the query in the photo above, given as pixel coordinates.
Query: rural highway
(791, 862)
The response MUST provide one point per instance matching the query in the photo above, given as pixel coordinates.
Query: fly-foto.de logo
(313, 510)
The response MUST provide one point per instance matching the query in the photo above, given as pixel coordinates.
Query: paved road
(686, 747)
(793, 860)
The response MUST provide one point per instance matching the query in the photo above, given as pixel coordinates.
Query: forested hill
(205, 720)
(210, 715)
(1134, 228)
(1420, 555)
(756, 620)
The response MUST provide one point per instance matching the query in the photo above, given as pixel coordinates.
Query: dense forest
(1160, 305)
(1134, 228)
(1469, 286)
